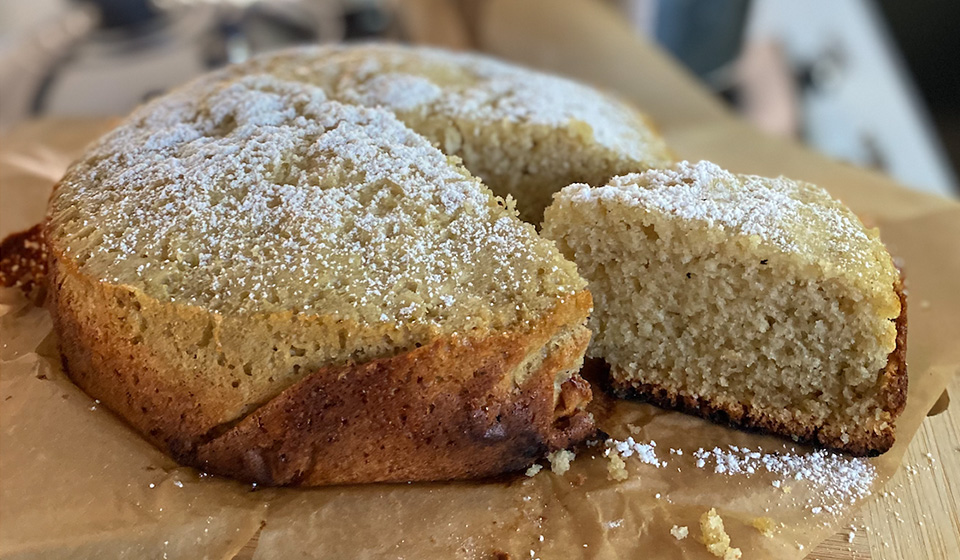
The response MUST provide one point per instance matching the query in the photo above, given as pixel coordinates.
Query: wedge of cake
(286, 289)
(761, 302)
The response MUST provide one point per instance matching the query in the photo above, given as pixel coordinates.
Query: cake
(526, 134)
(277, 286)
(760, 302)
(714, 536)
(23, 263)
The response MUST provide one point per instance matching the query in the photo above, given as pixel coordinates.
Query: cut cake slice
(761, 302)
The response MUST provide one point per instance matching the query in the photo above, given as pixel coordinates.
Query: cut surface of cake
(524, 133)
(762, 302)
(287, 289)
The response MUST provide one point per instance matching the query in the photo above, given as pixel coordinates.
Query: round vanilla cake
(278, 273)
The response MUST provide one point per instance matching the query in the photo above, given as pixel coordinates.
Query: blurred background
(872, 82)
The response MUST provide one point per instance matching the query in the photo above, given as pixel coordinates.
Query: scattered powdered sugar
(793, 216)
(646, 453)
(838, 479)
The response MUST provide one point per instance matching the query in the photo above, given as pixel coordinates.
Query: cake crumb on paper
(560, 461)
(679, 533)
(534, 469)
(765, 525)
(616, 468)
(715, 538)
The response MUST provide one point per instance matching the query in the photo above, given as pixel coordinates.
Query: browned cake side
(447, 410)
(892, 397)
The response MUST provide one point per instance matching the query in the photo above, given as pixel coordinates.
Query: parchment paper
(76, 482)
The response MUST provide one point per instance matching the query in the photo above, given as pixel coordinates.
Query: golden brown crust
(447, 410)
(893, 387)
(408, 417)
(23, 262)
(170, 405)
(870, 442)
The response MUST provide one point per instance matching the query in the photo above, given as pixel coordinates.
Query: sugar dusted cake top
(253, 193)
(791, 216)
(419, 81)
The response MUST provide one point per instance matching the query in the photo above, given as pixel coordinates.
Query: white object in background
(864, 108)
(113, 75)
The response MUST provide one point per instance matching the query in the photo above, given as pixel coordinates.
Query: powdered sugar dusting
(397, 91)
(792, 216)
(252, 193)
(646, 453)
(467, 86)
(836, 480)
(840, 480)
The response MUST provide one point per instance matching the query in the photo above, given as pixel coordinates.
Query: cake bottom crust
(858, 440)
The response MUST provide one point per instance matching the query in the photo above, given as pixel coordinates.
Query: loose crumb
(560, 461)
(715, 538)
(534, 469)
(679, 533)
(616, 468)
(765, 525)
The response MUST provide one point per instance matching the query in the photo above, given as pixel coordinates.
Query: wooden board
(916, 516)
(918, 513)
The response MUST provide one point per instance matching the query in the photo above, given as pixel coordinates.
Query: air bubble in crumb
(679, 533)
(560, 461)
